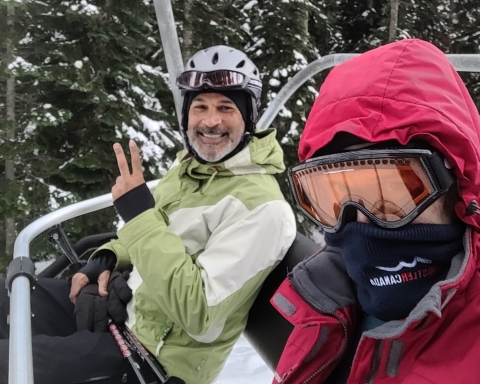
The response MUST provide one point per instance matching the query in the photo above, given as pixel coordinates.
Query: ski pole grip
(119, 339)
(20, 266)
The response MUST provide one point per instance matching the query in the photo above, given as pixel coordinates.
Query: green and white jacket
(201, 255)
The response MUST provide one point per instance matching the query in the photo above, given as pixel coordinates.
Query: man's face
(215, 126)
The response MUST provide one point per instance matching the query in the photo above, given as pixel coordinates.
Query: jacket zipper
(376, 362)
(344, 348)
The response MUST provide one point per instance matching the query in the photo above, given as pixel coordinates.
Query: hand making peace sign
(127, 181)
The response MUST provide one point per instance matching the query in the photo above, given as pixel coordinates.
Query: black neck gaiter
(395, 268)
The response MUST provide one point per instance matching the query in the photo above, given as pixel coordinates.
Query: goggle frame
(439, 174)
(252, 86)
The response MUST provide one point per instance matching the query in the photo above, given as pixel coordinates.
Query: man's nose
(212, 119)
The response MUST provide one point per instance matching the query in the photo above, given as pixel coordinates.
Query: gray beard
(213, 156)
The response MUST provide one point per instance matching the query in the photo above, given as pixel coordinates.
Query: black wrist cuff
(134, 202)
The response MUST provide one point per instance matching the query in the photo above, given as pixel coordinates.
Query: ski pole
(156, 367)
(126, 352)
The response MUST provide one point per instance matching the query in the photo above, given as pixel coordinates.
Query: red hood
(404, 90)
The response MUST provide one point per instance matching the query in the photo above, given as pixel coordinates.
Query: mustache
(215, 130)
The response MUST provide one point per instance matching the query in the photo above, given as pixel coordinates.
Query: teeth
(212, 136)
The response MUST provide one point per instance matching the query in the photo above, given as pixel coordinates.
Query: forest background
(78, 75)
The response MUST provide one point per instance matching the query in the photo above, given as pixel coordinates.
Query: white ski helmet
(223, 68)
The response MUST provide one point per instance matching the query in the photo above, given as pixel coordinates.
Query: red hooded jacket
(405, 90)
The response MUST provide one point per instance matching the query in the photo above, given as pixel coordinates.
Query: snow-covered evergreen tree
(78, 75)
(22, 196)
(88, 74)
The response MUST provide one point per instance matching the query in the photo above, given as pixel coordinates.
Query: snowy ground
(244, 366)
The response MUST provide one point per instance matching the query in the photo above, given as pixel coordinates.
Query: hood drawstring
(472, 208)
(204, 188)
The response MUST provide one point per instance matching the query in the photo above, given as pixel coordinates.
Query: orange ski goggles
(391, 187)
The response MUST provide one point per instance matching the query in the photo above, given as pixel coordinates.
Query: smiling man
(216, 123)
(201, 245)
(215, 227)
(221, 88)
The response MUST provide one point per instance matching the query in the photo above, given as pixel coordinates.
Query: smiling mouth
(212, 138)
(213, 135)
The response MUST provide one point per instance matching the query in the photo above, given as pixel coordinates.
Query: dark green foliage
(88, 76)
(93, 73)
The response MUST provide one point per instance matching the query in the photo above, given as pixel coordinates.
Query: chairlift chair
(266, 330)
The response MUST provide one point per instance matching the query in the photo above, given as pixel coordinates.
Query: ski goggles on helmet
(221, 79)
(391, 187)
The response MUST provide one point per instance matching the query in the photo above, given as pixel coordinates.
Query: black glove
(119, 294)
(92, 310)
(104, 260)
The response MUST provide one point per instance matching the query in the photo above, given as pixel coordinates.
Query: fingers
(126, 181)
(103, 283)
(121, 160)
(79, 280)
(136, 161)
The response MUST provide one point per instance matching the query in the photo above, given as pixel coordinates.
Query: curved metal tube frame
(171, 49)
(461, 62)
(20, 369)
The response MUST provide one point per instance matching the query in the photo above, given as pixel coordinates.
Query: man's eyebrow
(223, 101)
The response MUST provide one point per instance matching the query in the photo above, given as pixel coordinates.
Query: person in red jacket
(390, 159)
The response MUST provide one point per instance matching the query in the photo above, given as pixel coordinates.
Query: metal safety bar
(171, 49)
(20, 365)
(461, 62)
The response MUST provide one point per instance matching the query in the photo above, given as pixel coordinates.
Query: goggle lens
(196, 80)
(388, 189)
